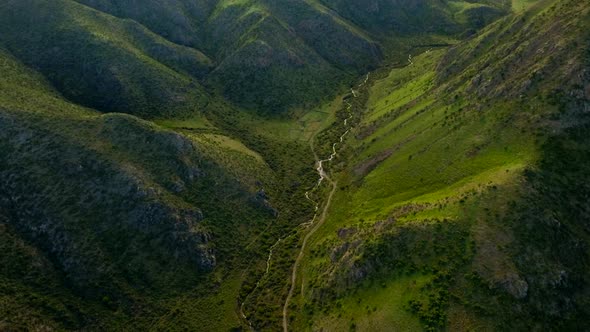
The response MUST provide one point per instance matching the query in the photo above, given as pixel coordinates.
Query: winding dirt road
(315, 225)
(314, 228)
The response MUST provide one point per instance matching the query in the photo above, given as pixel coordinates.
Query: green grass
(434, 148)
(387, 95)
(522, 5)
(441, 153)
(376, 307)
(226, 142)
(299, 126)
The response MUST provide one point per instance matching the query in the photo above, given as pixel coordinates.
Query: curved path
(315, 225)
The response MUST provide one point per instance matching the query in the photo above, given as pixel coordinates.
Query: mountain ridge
(156, 170)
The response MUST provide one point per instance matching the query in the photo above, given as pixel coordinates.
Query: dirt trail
(314, 228)
(315, 225)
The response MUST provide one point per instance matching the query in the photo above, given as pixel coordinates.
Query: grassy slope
(180, 21)
(435, 180)
(264, 66)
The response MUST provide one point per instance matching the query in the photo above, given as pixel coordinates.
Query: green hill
(381, 17)
(455, 210)
(98, 61)
(157, 165)
(152, 59)
(105, 214)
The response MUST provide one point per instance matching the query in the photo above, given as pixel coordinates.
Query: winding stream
(312, 223)
(259, 282)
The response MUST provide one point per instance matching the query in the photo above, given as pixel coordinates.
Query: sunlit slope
(453, 168)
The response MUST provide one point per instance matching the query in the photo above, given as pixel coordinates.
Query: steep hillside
(106, 219)
(98, 61)
(381, 17)
(157, 165)
(152, 58)
(265, 65)
(110, 221)
(180, 21)
(460, 204)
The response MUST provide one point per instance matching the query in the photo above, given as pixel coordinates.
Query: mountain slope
(120, 56)
(459, 198)
(115, 213)
(100, 62)
(180, 21)
(381, 17)
(458, 161)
